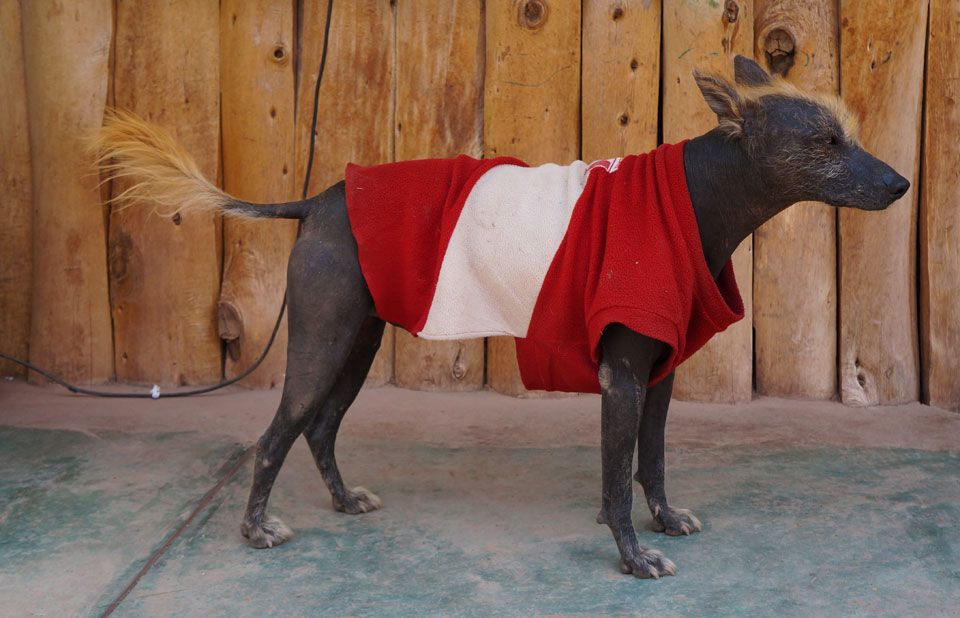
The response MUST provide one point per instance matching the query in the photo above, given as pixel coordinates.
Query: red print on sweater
(607, 165)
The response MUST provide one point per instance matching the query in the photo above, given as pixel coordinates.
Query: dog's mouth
(879, 200)
(873, 206)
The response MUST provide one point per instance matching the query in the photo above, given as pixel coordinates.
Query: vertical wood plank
(706, 34)
(439, 90)
(16, 193)
(531, 109)
(795, 259)
(356, 107)
(881, 71)
(621, 77)
(165, 272)
(66, 46)
(258, 118)
(940, 212)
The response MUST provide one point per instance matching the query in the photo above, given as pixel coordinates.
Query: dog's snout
(896, 184)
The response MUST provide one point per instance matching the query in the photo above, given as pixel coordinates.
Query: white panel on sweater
(510, 228)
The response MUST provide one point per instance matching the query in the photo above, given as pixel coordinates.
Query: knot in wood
(532, 14)
(458, 370)
(230, 328)
(617, 13)
(121, 254)
(779, 42)
(731, 11)
(229, 321)
(779, 46)
(280, 53)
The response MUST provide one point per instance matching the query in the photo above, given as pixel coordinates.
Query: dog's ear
(748, 72)
(723, 100)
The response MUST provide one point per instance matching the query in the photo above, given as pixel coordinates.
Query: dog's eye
(831, 141)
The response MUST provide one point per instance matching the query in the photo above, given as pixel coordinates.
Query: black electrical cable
(283, 305)
(316, 100)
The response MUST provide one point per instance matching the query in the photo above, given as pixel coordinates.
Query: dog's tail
(161, 172)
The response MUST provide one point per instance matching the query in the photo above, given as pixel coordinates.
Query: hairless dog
(774, 146)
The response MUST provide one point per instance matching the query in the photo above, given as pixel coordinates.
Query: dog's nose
(896, 184)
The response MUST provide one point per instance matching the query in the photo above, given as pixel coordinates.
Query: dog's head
(805, 145)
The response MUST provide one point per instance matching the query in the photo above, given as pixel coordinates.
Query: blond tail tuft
(160, 171)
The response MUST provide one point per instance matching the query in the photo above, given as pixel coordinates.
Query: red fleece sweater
(457, 248)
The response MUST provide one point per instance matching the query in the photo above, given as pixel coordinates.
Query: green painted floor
(789, 530)
(80, 513)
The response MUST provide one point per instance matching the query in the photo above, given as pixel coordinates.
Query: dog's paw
(648, 563)
(358, 500)
(675, 522)
(267, 533)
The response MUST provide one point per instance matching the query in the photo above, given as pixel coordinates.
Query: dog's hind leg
(329, 302)
(321, 433)
(650, 471)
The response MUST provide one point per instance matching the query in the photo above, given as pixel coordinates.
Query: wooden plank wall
(16, 193)
(940, 213)
(620, 102)
(795, 253)
(258, 166)
(94, 293)
(165, 271)
(707, 35)
(881, 78)
(70, 333)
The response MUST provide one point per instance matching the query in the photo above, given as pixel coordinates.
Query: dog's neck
(729, 197)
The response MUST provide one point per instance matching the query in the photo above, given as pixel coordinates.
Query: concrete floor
(809, 509)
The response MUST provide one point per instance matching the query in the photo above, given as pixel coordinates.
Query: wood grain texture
(258, 121)
(621, 77)
(439, 96)
(706, 35)
(881, 69)
(531, 110)
(795, 253)
(940, 212)
(165, 272)
(16, 195)
(66, 47)
(356, 108)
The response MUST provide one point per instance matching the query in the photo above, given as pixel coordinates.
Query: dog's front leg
(650, 470)
(624, 373)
